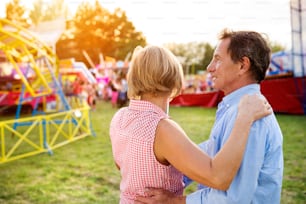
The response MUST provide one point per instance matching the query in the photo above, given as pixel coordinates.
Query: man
(238, 66)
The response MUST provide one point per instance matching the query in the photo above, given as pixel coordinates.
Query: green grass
(84, 172)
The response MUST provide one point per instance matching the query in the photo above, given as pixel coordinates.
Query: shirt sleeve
(196, 197)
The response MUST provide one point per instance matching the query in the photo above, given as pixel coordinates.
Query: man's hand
(160, 196)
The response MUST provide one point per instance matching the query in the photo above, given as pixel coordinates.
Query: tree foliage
(16, 13)
(43, 11)
(97, 31)
(194, 56)
(208, 55)
(275, 46)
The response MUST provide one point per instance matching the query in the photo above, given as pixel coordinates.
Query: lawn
(83, 172)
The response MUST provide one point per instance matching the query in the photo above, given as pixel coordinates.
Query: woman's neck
(160, 101)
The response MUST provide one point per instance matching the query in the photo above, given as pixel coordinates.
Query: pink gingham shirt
(132, 133)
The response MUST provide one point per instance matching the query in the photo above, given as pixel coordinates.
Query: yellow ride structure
(40, 132)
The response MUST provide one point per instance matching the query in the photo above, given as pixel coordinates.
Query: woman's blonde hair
(154, 70)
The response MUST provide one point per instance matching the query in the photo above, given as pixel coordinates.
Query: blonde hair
(154, 70)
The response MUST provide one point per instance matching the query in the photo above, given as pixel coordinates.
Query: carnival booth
(285, 83)
(285, 86)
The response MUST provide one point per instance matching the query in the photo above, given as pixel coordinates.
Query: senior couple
(241, 162)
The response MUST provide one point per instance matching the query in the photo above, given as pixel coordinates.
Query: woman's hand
(254, 107)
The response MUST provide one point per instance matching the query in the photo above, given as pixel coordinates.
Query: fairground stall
(285, 83)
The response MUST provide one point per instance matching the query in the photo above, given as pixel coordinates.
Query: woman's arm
(173, 146)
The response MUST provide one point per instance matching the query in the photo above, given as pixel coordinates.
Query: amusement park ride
(29, 77)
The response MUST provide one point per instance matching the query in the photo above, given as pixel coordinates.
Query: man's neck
(239, 85)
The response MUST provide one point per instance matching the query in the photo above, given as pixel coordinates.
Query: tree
(16, 13)
(37, 13)
(208, 55)
(125, 36)
(85, 33)
(43, 11)
(97, 31)
(275, 46)
(55, 9)
(194, 56)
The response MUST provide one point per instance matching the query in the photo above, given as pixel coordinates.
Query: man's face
(224, 72)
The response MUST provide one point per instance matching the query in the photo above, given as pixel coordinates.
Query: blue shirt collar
(234, 97)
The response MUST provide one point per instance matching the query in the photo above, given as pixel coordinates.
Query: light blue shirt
(259, 179)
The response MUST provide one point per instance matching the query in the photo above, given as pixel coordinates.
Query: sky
(182, 21)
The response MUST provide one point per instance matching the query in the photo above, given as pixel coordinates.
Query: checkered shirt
(132, 133)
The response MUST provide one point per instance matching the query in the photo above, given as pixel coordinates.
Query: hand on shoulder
(254, 106)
